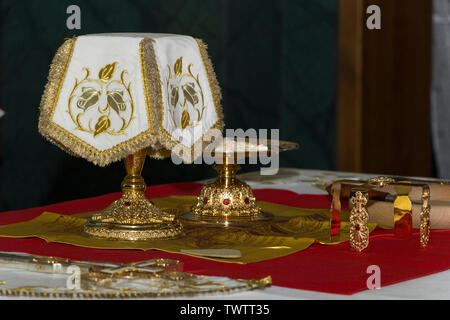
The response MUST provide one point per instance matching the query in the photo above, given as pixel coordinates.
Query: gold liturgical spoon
(227, 200)
(133, 217)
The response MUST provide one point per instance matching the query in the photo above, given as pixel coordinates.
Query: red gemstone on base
(226, 201)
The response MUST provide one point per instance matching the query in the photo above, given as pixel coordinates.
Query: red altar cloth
(324, 268)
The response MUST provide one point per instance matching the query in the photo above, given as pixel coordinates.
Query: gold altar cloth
(292, 230)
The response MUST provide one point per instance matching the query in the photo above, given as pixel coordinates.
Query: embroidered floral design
(185, 96)
(103, 105)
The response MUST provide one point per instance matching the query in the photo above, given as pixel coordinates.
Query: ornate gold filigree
(381, 181)
(359, 219)
(226, 197)
(167, 288)
(158, 277)
(111, 97)
(402, 203)
(133, 217)
(226, 200)
(425, 217)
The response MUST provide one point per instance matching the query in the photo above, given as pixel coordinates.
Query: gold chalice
(227, 200)
(133, 216)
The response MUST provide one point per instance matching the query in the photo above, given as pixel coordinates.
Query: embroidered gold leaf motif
(174, 95)
(102, 125)
(184, 92)
(107, 72)
(189, 93)
(88, 98)
(185, 119)
(95, 116)
(178, 66)
(115, 100)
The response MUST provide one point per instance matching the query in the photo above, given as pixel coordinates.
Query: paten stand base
(226, 201)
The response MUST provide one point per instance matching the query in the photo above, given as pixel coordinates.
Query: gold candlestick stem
(133, 217)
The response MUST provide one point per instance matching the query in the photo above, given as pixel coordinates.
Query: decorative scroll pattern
(102, 105)
(380, 181)
(359, 219)
(150, 279)
(186, 99)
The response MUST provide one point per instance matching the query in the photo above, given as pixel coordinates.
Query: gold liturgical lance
(133, 217)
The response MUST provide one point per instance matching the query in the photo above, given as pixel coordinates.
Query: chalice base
(133, 217)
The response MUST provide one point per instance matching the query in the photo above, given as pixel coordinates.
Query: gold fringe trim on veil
(155, 135)
(69, 142)
(153, 93)
(191, 153)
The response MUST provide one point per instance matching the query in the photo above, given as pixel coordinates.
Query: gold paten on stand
(133, 217)
(227, 200)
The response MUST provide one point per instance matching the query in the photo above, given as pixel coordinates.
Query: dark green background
(275, 61)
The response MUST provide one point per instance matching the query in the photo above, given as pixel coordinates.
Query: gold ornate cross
(359, 218)
(359, 201)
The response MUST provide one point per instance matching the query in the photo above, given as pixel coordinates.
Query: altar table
(312, 182)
